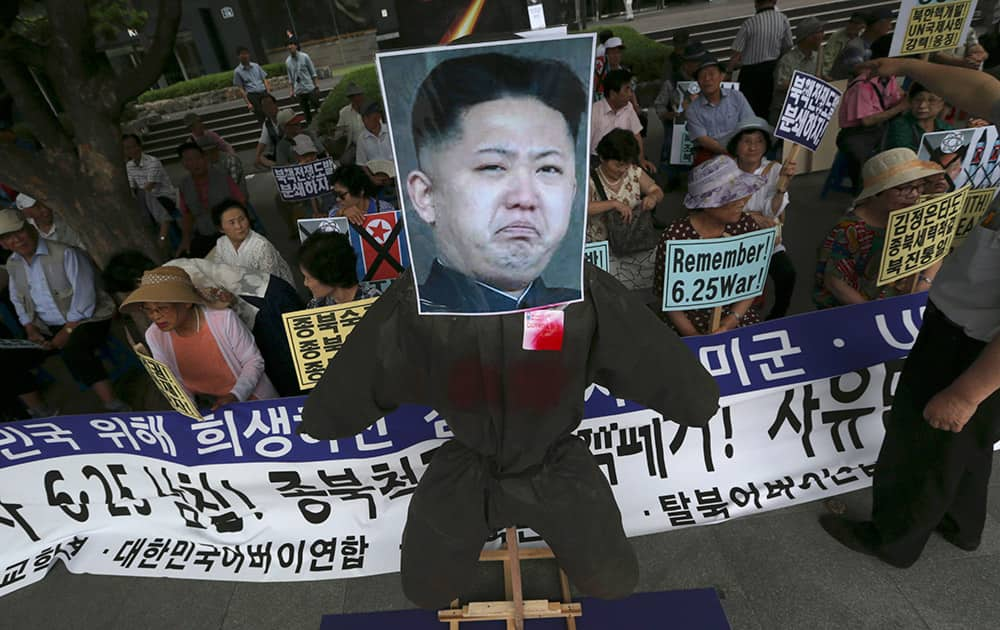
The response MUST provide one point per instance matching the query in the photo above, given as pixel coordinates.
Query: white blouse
(760, 201)
(255, 253)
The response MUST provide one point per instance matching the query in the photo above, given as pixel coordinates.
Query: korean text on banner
(328, 224)
(167, 383)
(919, 236)
(316, 335)
(716, 271)
(926, 27)
(809, 106)
(597, 254)
(303, 181)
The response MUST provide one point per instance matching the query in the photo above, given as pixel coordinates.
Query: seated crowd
(211, 309)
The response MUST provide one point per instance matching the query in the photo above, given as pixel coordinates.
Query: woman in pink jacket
(210, 351)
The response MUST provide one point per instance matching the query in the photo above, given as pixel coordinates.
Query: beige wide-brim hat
(11, 220)
(892, 168)
(171, 285)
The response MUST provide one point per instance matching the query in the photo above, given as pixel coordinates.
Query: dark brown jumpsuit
(513, 459)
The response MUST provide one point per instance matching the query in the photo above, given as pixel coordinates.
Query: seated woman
(329, 265)
(924, 116)
(717, 193)
(258, 299)
(617, 184)
(847, 271)
(355, 194)
(210, 351)
(748, 144)
(240, 246)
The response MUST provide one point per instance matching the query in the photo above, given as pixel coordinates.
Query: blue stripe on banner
(773, 354)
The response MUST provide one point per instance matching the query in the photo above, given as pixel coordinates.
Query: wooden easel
(514, 609)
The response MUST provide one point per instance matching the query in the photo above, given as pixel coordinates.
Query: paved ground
(774, 571)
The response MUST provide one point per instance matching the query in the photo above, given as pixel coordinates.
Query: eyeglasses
(906, 189)
(152, 311)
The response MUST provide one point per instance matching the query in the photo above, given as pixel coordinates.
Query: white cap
(24, 201)
(10, 221)
(303, 144)
(614, 42)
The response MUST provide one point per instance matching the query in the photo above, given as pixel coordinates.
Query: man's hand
(35, 336)
(648, 203)
(149, 186)
(648, 166)
(354, 214)
(623, 210)
(978, 122)
(60, 340)
(949, 410)
(884, 67)
(222, 401)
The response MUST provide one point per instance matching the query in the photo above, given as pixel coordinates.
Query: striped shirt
(150, 170)
(763, 37)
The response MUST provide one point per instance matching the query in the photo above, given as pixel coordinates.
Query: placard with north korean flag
(380, 244)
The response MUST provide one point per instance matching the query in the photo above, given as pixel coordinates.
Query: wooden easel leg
(514, 559)
(564, 587)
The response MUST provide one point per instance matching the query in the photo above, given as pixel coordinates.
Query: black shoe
(949, 532)
(858, 536)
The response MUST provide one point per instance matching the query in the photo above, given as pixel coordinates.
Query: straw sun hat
(892, 168)
(171, 285)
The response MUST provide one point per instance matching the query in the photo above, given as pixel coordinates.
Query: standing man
(349, 124)
(149, 181)
(859, 49)
(838, 41)
(803, 56)
(270, 132)
(204, 187)
(252, 81)
(54, 290)
(615, 111)
(933, 471)
(759, 43)
(715, 113)
(375, 145)
(302, 79)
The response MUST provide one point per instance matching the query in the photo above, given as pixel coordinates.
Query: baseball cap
(24, 201)
(286, 116)
(614, 42)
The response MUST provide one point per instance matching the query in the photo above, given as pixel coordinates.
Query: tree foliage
(79, 170)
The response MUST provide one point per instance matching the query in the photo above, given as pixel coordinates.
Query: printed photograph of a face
(490, 143)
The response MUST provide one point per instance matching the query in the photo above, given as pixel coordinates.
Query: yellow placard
(977, 202)
(167, 383)
(316, 335)
(919, 236)
(933, 27)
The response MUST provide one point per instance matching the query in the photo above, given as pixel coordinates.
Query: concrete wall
(346, 50)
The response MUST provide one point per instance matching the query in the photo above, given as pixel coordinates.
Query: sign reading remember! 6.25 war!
(716, 271)
(316, 335)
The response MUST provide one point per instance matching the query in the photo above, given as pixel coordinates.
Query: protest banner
(597, 254)
(977, 202)
(919, 236)
(810, 104)
(315, 336)
(298, 182)
(327, 224)
(380, 243)
(924, 27)
(168, 385)
(681, 146)
(712, 272)
(801, 420)
(968, 156)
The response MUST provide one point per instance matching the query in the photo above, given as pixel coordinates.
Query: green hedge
(206, 83)
(329, 111)
(644, 55)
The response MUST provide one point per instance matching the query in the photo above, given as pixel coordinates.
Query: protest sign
(924, 26)
(977, 202)
(298, 182)
(168, 385)
(544, 84)
(328, 224)
(968, 156)
(919, 236)
(810, 104)
(243, 497)
(716, 271)
(597, 254)
(380, 243)
(315, 336)
(681, 146)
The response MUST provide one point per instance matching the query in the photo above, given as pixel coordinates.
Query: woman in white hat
(210, 351)
(717, 193)
(847, 271)
(749, 143)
